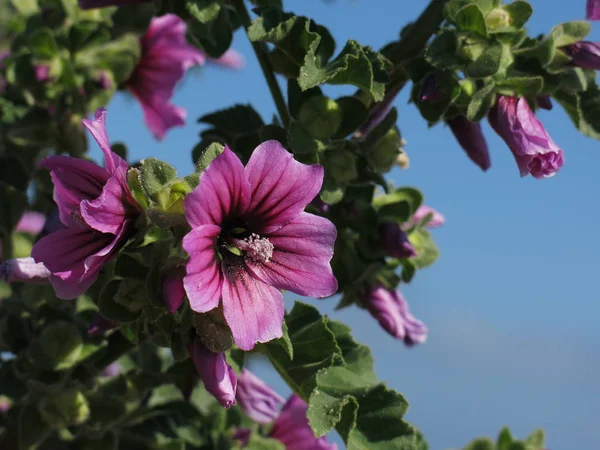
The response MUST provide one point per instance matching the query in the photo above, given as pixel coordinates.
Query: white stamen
(256, 248)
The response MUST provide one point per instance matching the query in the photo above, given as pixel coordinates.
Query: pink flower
(531, 145)
(42, 72)
(218, 377)
(90, 4)
(292, 428)
(172, 291)
(257, 399)
(437, 219)
(593, 10)
(391, 311)
(97, 209)
(250, 238)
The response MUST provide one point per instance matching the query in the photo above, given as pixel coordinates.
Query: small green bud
(213, 330)
(497, 19)
(134, 182)
(66, 409)
(384, 153)
(471, 47)
(341, 165)
(468, 87)
(320, 116)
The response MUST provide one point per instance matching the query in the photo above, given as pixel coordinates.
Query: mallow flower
(291, 428)
(391, 311)
(584, 54)
(533, 149)
(166, 56)
(436, 220)
(261, 403)
(218, 377)
(394, 241)
(471, 139)
(593, 10)
(97, 209)
(23, 270)
(251, 237)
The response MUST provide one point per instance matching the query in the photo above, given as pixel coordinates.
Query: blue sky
(512, 304)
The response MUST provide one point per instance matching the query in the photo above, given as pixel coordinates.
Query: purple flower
(98, 212)
(89, 4)
(469, 136)
(437, 218)
(173, 291)
(292, 428)
(218, 377)
(23, 270)
(42, 72)
(250, 238)
(544, 102)
(593, 10)
(391, 311)
(533, 149)
(100, 325)
(257, 399)
(584, 54)
(112, 370)
(166, 56)
(394, 241)
(378, 113)
(31, 222)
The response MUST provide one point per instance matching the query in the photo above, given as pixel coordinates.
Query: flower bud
(384, 153)
(112, 370)
(471, 139)
(173, 291)
(497, 18)
(42, 72)
(430, 91)
(437, 219)
(394, 241)
(257, 399)
(533, 149)
(23, 270)
(321, 117)
(544, 102)
(66, 409)
(391, 311)
(593, 10)
(218, 377)
(584, 54)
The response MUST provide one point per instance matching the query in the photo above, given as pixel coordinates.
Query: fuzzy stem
(262, 55)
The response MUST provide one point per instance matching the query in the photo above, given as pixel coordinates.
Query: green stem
(260, 49)
(117, 346)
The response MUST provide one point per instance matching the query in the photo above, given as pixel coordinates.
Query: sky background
(512, 304)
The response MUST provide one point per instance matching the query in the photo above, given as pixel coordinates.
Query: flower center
(255, 248)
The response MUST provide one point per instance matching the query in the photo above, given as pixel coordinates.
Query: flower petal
(223, 192)
(97, 128)
(159, 114)
(281, 186)
(204, 278)
(74, 180)
(301, 255)
(108, 212)
(253, 310)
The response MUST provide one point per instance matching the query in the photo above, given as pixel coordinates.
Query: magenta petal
(173, 292)
(257, 399)
(253, 310)
(593, 10)
(292, 428)
(31, 222)
(23, 270)
(223, 191)
(281, 186)
(301, 255)
(204, 279)
(231, 59)
(97, 128)
(160, 115)
(108, 212)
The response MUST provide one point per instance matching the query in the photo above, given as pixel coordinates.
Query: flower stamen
(255, 248)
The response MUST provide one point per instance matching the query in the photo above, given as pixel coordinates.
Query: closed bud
(341, 165)
(394, 241)
(468, 87)
(497, 19)
(471, 139)
(218, 377)
(471, 47)
(385, 152)
(173, 292)
(66, 409)
(213, 330)
(257, 399)
(320, 116)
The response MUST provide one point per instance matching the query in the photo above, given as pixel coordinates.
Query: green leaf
(504, 439)
(470, 18)
(204, 11)
(355, 65)
(43, 44)
(204, 156)
(487, 64)
(570, 32)
(239, 119)
(354, 114)
(442, 53)
(521, 86)
(480, 444)
(583, 108)
(481, 102)
(111, 309)
(398, 206)
(212, 27)
(536, 439)
(58, 347)
(155, 176)
(258, 442)
(427, 251)
(13, 203)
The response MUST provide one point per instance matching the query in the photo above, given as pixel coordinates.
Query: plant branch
(260, 49)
